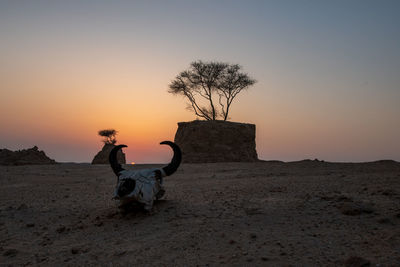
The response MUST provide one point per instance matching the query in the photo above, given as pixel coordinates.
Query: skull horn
(176, 160)
(112, 158)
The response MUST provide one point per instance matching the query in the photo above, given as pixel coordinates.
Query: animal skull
(143, 186)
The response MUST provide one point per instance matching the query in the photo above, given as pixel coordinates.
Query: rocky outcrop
(216, 141)
(102, 156)
(30, 156)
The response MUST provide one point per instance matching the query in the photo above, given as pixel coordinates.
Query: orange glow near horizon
(67, 121)
(69, 70)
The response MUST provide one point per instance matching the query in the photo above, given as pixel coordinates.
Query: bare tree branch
(205, 80)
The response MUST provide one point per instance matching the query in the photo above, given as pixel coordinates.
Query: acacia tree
(211, 87)
(109, 136)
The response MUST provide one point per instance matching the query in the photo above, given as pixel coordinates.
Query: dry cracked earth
(307, 213)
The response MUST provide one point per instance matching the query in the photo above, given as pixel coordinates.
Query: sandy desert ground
(307, 213)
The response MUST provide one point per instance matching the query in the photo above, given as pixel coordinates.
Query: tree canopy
(109, 136)
(211, 87)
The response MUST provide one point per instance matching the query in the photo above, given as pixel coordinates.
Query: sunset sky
(328, 74)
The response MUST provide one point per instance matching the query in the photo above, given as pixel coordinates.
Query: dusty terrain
(307, 213)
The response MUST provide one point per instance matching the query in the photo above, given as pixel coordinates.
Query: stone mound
(102, 156)
(216, 141)
(30, 156)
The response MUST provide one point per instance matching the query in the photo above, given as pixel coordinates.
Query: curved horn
(176, 160)
(112, 158)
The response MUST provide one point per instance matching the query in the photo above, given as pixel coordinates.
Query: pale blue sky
(328, 71)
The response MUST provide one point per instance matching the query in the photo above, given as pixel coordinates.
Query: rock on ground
(102, 156)
(216, 141)
(30, 156)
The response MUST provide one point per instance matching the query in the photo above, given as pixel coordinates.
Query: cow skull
(145, 185)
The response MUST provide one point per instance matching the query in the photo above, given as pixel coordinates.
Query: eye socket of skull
(126, 187)
(157, 174)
